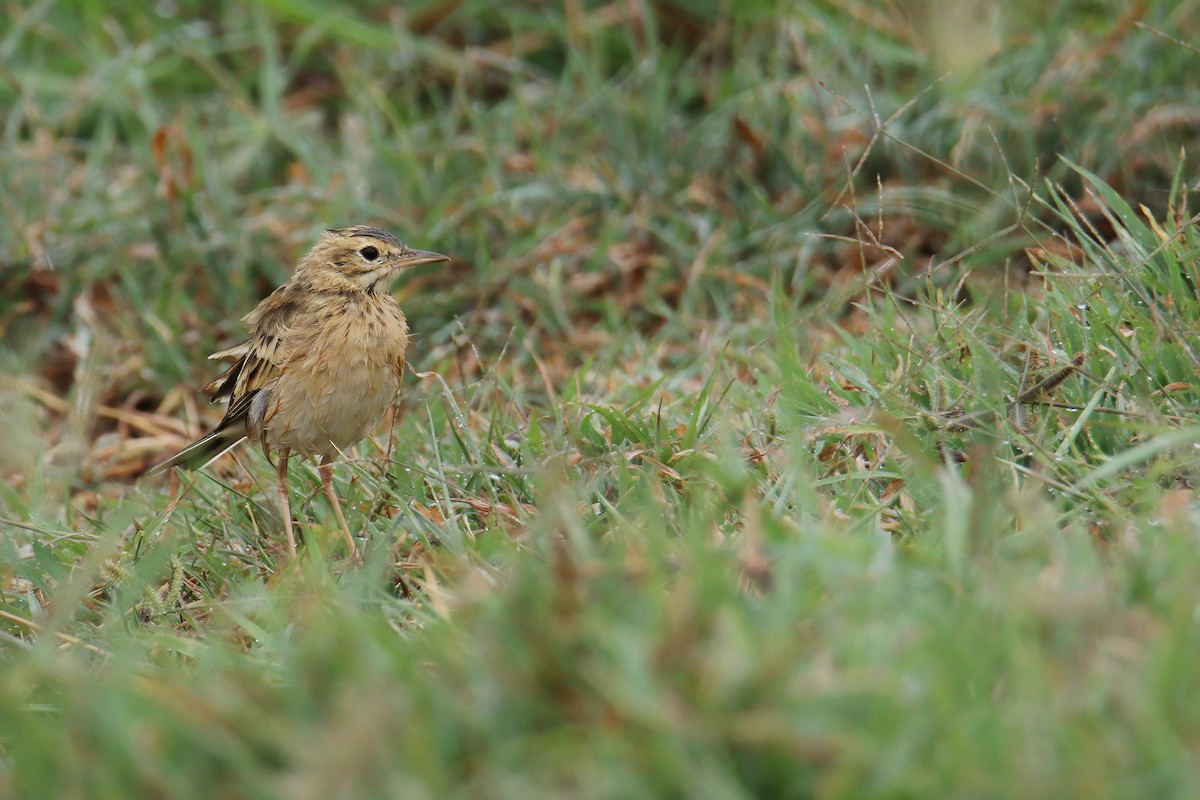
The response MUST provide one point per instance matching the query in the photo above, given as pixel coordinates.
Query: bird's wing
(259, 358)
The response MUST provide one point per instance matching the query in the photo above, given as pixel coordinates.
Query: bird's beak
(412, 258)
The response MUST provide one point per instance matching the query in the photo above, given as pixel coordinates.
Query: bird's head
(366, 257)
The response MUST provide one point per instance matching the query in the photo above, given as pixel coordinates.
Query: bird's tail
(203, 452)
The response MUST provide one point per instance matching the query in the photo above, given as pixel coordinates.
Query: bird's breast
(342, 376)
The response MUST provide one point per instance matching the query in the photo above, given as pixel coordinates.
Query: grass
(809, 411)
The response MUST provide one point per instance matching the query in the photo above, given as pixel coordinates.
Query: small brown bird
(322, 364)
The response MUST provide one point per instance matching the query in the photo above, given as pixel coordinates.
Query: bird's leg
(327, 479)
(281, 471)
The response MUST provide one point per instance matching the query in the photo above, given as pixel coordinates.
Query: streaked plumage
(323, 362)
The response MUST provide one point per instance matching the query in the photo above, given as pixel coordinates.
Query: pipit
(322, 364)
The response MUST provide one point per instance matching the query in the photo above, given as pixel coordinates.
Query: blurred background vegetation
(808, 409)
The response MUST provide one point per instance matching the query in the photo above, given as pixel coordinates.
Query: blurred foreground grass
(809, 411)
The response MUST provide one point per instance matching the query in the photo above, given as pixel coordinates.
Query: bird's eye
(370, 252)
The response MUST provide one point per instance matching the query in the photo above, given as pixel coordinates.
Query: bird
(322, 365)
